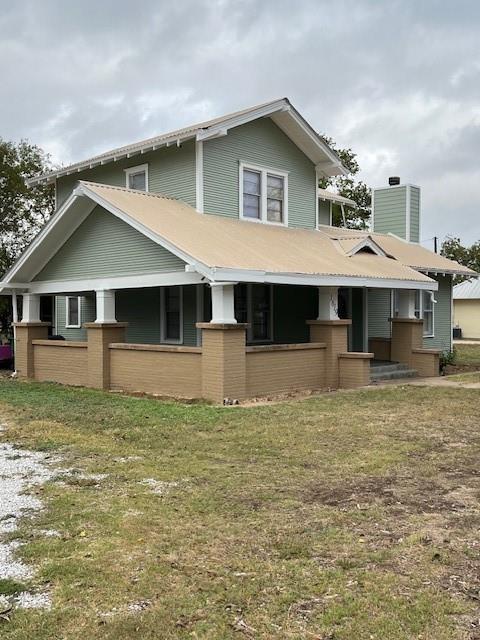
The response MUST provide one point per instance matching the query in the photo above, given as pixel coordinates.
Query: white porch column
(223, 308)
(31, 307)
(327, 303)
(105, 306)
(406, 303)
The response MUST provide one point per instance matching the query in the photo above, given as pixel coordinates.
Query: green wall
(390, 211)
(170, 171)
(260, 143)
(103, 245)
(324, 212)
(87, 314)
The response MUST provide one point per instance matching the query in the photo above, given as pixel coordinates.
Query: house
(466, 308)
(206, 263)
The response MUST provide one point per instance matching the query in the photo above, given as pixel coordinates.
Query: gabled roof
(408, 253)
(468, 290)
(220, 248)
(281, 111)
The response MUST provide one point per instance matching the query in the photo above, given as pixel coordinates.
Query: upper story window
(137, 177)
(263, 194)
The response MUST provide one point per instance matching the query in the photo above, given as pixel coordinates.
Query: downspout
(15, 320)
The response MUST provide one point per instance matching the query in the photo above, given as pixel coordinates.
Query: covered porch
(220, 341)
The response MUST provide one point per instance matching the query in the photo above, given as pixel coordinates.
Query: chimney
(396, 209)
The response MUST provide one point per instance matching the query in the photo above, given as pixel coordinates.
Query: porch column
(26, 331)
(327, 303)
(105, 306)
(328, 328)
(100, 334)
(223, 348)
(30, 308)
(223, 307)
(407, 330)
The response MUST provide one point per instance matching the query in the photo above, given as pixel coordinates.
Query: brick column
(99, 336)
(223, 361)
(335, 335)
(354, 369)
(407, 334)
(25, 333)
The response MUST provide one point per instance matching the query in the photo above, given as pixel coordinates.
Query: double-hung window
(137, 177)
(253, 304)
(263, 194)
(73, 320)
(171, 314)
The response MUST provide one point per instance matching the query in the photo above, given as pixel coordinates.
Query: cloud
(398, 82)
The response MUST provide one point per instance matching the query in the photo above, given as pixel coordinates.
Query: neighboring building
(466, 308)
(206, 262)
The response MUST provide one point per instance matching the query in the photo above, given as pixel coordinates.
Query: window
(73, 312)
(427, 307)
(263, 194)
(253, 304)
(172, 314)
(137, 177)
(423, 310)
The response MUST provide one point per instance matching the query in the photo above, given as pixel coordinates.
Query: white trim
(372, 212)
(163, 339)
(240, 275)
(369, 243)
(55, 302)
(170, 278)
(67, 312)
(264, 172)
(421, 315)
(199, 175)
(199, 304)
(317, 212)
(408, 214)
(140, 168)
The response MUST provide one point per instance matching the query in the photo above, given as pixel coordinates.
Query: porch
(219, 341)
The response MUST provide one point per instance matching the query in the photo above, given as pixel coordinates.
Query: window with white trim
(423, 310)
(137, 177)
(73, 320)
(254, 304)
(171, 314)
(263, 194)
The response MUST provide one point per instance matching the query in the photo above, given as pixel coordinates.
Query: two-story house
(203, 263)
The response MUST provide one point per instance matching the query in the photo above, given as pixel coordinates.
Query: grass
(350, 515)
(468, 354)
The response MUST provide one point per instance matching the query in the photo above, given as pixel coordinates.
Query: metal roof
(468, 290)
(281, 111)
(324, 194)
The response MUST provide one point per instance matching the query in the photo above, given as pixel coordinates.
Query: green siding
(292, 307)
(87, 314)
(190, 315)
(390, 211)
(379, 312)
(442, 316)
(141, 309)
(324, 212)
(414, 214)
(170, 171)
(390, 207)
(260, 143)
(105, 246)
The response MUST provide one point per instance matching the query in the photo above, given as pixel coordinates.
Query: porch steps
(383, 370)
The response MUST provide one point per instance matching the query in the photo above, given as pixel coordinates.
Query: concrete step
(392, 375)
(387, 368)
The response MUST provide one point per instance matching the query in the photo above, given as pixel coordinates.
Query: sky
(396, 81)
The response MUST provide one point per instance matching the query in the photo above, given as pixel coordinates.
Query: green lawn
(468, 354)
(348, 516)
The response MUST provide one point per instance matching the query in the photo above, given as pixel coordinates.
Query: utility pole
(435, 244)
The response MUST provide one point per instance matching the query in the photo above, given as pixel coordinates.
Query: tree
(23, 210)
(349, 187)
(467, 256)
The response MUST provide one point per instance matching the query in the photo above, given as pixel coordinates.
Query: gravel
(20, 472)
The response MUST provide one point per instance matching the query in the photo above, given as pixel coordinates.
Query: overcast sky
(397, 81)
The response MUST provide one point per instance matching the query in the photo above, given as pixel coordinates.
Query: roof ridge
(113, 187)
